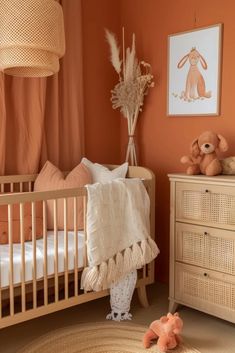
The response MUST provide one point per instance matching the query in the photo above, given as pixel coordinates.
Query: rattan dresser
(202, 244)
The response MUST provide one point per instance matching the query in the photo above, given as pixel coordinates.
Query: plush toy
(167, 330)
(203, 158)
(228, 165)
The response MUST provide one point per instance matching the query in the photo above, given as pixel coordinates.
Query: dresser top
(202, 178)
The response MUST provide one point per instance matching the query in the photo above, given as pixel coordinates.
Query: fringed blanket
(118, 239)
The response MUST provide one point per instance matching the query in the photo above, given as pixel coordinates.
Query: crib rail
(17, 183)
(45, 292)
(10, 199)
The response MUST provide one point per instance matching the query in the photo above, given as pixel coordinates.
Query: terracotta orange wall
(102, 124)
(162, 140)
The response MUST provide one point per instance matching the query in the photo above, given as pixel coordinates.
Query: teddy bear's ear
(176, 314)
(223, 144)
(195, 151)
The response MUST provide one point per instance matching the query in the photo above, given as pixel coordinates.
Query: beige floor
(204, 332)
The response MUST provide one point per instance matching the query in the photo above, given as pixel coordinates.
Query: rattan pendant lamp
(31, 37)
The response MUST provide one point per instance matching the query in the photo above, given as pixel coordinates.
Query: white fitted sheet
(5, 259)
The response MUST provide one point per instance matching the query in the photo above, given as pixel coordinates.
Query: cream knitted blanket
(118, 239)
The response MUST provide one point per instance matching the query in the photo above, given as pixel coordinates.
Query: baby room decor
(32, 41)
(203, 158)
(135, 79)
(194, 67)
(167, 330)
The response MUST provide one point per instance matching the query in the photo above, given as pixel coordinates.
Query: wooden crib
(44, 293)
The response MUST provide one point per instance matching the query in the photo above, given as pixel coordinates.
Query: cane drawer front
(210, 204)
(208, 291)
(206, 247)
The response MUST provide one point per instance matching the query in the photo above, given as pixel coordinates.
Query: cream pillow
(101, 174)
(51, 178)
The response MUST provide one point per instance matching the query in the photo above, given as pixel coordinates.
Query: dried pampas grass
(135, 79)
(114, 50)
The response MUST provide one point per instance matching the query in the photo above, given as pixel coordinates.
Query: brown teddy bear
(167, 330)
(203, 158)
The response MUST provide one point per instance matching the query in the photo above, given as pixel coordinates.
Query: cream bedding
(5, 259)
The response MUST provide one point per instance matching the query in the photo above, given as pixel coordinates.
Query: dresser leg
(142, 295)
(173, 306)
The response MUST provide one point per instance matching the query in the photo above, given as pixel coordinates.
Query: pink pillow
(51, 178)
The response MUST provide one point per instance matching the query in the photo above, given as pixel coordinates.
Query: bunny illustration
(195, 87)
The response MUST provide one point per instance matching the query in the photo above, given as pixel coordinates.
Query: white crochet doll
(120, 297)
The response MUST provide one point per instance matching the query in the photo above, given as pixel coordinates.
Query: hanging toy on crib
(121, 294)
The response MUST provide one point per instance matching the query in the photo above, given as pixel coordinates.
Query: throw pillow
(51, 178)
(101, 174)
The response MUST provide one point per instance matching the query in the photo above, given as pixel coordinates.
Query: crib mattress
(17, 263)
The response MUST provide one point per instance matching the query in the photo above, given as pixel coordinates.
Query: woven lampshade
(31, 37)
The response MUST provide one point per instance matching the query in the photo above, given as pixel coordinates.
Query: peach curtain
(42, 118)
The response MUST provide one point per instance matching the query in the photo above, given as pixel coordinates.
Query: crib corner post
(142, 295)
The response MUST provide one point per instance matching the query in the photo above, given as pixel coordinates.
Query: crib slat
(45, 252)
(22, 240)
(75, 247)
(0, 299)
(30, 185)
(11, 187)
(145, 271)
(2, 190)
(0, 291)
(56, 251)
(34, 256)
(149, 269)
(85, 232)
(66, 248)
(21, 186)
(11, 272)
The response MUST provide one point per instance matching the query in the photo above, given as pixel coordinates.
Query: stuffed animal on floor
(166, 330)
(203, 158)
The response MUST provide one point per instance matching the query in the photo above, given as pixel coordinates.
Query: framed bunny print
(194, 70)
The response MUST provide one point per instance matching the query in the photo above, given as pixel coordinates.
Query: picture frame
(194, 72)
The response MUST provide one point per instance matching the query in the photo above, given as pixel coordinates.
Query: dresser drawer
(208, 291)
(205, 247)
(213, 205)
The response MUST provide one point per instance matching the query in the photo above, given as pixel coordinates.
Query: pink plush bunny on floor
(166, 330)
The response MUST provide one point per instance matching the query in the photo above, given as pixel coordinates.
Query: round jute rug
(104, 337)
